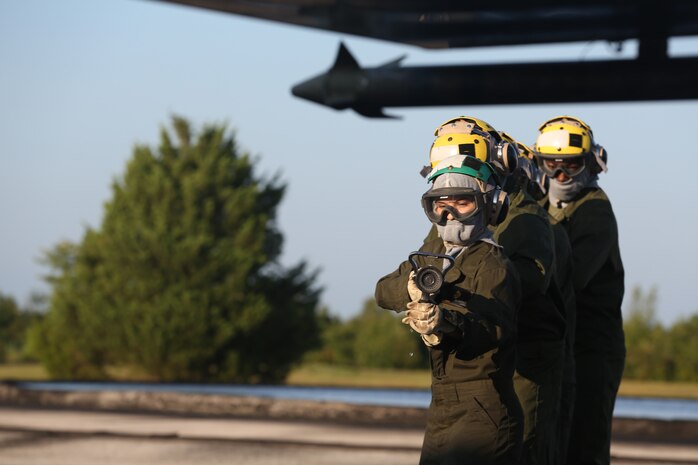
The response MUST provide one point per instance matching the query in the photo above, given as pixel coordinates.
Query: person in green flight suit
(528, 241)
(567, 153)
(468, 324)
(562, 291)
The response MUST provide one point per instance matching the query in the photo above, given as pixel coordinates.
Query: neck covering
(457, 234)
(563, 192)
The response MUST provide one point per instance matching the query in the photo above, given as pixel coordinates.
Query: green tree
(14, 324)
(375, 338)
(337, 341)
(647, 356)
(382, 341)
(9, 315)
(683, 345)
(76, 335)
(182, 279)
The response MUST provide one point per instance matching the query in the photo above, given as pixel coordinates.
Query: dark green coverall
(527, 238)
(599, 344)
(474, 416)
(565, 299)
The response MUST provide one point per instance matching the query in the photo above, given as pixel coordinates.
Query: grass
(326, 375)
(336, 376)
(329, 375)
(636, 388)
(23, 372)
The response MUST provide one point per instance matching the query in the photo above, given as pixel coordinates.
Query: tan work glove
(423, 317)
(431, 340)
(415, 293)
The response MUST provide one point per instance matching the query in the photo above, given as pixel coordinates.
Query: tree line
(181, 281)
(373, 338)
(656, 352)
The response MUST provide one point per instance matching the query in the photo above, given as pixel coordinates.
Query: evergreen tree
(337, 345)
(374, 338)
(382, 341)
(182, 279)
(14, 324)
(9, 315)
(645, 338)
(683, 346)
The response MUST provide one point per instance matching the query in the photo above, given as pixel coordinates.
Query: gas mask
(457, 206)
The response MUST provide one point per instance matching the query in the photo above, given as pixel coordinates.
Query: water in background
(626, 407)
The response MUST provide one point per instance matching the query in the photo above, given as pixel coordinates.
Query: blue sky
(81, 82)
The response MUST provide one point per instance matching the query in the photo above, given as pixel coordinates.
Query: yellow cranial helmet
(459, 144)
(564, 137)
(463, 135)
(506, 137)
(523, 150)
(464, 125)
(566, 119)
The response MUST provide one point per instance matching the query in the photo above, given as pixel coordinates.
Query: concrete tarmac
(58, 437)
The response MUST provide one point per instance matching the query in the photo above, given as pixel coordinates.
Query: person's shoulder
(596, 193)
(489, 255)
(495, 267)
(593, 214)
(595, 202)
(524, 204)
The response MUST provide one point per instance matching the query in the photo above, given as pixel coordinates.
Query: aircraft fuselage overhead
(439, 24)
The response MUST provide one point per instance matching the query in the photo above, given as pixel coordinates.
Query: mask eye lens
(451, 203)
(551, 165)
(440, 212)
(458, 207)
(574, 165)
(570, 167)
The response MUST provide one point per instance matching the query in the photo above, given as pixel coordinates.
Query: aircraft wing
(468, 23)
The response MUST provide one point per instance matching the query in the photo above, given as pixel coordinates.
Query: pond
(626, 407)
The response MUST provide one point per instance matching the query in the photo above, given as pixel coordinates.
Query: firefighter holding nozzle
(469, 324)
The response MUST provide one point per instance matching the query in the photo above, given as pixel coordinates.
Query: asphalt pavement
(57, 437)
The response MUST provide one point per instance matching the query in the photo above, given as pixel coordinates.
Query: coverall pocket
(489, 413)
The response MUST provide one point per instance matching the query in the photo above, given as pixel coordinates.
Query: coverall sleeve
(391, 290)
(592, 232)
(528, 242)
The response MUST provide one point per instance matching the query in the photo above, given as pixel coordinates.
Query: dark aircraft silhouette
(436, 24)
